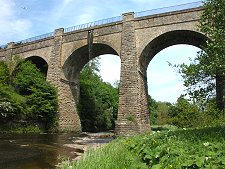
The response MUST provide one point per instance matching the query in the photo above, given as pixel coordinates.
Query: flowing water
(37, 151)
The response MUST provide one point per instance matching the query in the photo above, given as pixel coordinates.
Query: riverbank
(182, 148)
(89, 141)
(20, 128)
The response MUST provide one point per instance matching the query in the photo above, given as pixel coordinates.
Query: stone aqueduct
(135, 39)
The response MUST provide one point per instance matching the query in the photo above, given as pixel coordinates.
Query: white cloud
(12, 28)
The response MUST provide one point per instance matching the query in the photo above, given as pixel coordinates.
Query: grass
(19, 129)
(178, 149)
(114, 155)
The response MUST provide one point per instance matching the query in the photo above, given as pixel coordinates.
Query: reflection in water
(34, 151)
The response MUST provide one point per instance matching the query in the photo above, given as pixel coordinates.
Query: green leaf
(157, 166)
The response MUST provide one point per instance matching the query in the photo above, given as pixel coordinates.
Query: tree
(152, 110)
(41, 96)
(12, 105)
(4, 73)
(25, 76)
(162, 113)
(184, 113)
(25, 94)
(205, 77)
(98, 100)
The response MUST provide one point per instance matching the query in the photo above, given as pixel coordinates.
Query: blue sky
(21, 19)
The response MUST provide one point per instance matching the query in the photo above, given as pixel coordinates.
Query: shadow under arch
(168, 39)
(40, 63)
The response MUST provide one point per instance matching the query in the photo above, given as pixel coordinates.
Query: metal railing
(92, 24)
(112, 20)
(43, 36)
(168, 9)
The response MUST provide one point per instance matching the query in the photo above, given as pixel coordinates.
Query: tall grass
(111, 156)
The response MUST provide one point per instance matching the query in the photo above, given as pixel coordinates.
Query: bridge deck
(113, 20)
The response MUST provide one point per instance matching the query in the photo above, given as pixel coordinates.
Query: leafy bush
(42, 104)
(184, 114)
(30, 97)
(26, 76)
(41, 96)
(193, 148)
(4, 73)
(12, 105)
(188, 114)
(19, 128)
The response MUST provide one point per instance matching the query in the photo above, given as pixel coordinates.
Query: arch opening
(190, 40)
(73, 69)
(169, 86)
(40, 63)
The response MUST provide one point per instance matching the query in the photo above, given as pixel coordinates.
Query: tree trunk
(220, 91)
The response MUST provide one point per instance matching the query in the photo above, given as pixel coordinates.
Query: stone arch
(40, 63)
(76, 61)
(112, 43)
(167, 39)
(70, 77)
(156, 45)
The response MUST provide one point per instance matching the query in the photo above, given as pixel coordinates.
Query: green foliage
(41, 96)
(131, 118)
(152, 110)
(162, 113)
(98, 100)
(158, 112)
(42, 104)
(184, 114)
(26, 76)
(28, 96)
(188, 114)
(205, 77)
(4, 73)
(193, 148)
(212, 116)
(12, 63)
(12, 105)
(15, 128)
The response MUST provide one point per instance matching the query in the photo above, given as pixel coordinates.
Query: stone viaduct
(134, 37)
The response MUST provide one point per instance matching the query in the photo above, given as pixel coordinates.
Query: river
(42, 151)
